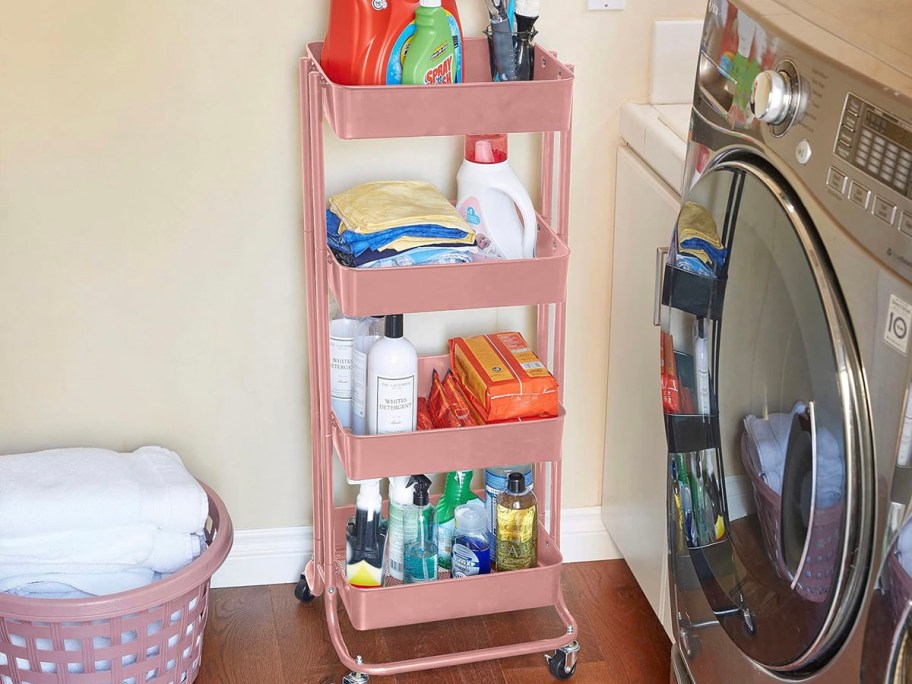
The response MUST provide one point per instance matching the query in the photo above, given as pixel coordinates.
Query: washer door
(766, 419)
(888, 637)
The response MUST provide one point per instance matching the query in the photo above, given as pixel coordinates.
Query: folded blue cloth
(686, 262)
(426, 256)
(357, 243)
(350, 250)
(715, 254)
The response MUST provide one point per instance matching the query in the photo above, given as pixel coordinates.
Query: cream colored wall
(151, 254)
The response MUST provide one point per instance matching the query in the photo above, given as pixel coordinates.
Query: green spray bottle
(431, 56)
(456, 492)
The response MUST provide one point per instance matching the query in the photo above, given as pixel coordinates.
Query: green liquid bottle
(517, 526)
(458, 491)
(431, 56)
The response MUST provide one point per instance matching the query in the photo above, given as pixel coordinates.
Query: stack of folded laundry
(87, 522)
(768, 442)
(397, 223)
(699, 249)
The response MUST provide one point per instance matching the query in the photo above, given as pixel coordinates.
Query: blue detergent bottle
(471, 549)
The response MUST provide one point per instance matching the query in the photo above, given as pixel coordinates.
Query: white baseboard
(277, 555)
(740, 496)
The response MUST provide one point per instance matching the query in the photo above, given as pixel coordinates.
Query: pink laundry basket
(817, 573)
(151, 635)
(900, 584)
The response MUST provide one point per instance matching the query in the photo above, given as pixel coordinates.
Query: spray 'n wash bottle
(421, 545)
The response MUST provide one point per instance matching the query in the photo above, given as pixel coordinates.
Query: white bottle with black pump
(392, 387)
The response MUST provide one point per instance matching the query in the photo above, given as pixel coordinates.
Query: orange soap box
(503, 377)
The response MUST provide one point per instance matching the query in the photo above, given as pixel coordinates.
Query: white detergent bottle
(489, 195)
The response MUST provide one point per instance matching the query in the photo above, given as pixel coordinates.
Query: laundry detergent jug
(367, 40)
(492, 199)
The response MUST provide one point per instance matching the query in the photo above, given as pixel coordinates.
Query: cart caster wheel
(355, 678)
(563, 663)
(302, 591)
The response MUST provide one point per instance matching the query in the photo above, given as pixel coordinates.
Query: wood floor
(263, 635)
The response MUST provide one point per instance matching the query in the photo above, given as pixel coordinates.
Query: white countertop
(658, 134)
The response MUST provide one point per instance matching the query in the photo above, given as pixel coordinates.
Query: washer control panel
(879, 146)
(876, 143)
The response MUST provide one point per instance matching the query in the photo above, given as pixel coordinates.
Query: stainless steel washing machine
(786, 308)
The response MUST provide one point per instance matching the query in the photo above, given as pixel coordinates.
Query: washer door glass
(888, 636)
(764, 409)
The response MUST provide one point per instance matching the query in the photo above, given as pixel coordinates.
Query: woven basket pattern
(901, 585)
(816, 579)
(153, 635)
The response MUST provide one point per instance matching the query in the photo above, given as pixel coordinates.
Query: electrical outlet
(605, 4)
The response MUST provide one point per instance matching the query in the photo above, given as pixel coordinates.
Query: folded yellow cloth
(372, 207)
(695, 221)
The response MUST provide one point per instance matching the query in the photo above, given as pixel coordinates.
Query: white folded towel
(768, 442)
(110, 550)
(93, 489)
(171, 498)
(40, 583)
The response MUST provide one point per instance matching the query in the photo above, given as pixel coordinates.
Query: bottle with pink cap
(493, 200)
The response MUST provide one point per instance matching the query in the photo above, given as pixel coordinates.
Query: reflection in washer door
(888, 637)
(787, 411)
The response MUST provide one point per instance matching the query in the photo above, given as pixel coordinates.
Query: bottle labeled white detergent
(489, 195)
(392, 382)
(341, 335)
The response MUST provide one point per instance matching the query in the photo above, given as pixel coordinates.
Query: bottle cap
(394, 325)
(516, 483)
(422, 484)
(470, 519)
(486, 149)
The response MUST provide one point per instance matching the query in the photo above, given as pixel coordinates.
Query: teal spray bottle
(421, 542)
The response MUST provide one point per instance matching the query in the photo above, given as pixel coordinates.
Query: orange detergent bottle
(367, 40)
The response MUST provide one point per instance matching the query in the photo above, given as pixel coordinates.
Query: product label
(471, 210)
(400, 49)
(340, 366)
(445, 533)
(359, 382)
(899, 320)
(524, 356)
(442, 73)
(516, 535)
(468, 561)
(400, 526)
(395, 405)
(495, 483)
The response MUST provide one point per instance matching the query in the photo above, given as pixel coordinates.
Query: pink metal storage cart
(475, 106)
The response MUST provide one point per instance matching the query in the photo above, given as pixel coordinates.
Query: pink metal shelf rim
(509, 282)
(530, 441)
(477, 105)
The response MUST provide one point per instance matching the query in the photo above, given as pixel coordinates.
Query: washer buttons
(836, 180)
(884, 210)
(905, 223)
(859, 194)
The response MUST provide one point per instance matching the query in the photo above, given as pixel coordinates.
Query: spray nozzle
(422, 485)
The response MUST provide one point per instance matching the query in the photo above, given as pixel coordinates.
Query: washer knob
(771, 96)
